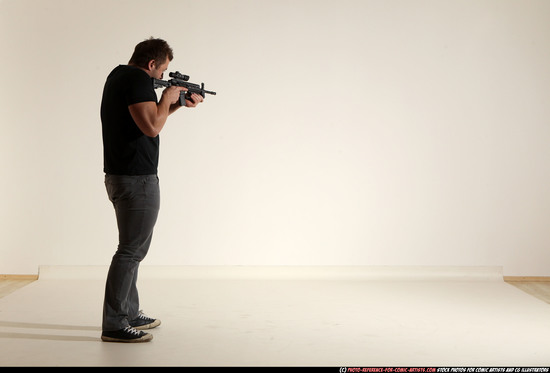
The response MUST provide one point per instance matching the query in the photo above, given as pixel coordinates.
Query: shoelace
(143, 316)
(131, 330)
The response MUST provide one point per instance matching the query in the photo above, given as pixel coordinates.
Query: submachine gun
(181, 80)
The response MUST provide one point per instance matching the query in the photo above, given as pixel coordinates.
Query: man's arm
(150, 117)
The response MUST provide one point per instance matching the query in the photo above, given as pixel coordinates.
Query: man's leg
(136, 200)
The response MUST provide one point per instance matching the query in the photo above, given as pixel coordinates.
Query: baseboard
(505, 278)
(526, 279)
(386, 273)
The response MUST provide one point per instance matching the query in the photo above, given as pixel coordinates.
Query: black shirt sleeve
(139, 88)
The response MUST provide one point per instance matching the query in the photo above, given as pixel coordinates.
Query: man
(131, 122)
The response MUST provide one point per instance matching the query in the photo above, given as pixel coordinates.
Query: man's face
(158, 70)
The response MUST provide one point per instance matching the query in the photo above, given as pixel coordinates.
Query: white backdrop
(357, 132)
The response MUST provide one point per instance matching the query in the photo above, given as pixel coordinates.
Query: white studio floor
(283, 316)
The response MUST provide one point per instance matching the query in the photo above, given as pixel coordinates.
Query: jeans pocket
(152, 179)
(121, 186)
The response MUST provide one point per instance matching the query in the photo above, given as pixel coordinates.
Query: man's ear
(151, 65)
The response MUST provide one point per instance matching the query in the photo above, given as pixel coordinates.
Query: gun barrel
(191, 85)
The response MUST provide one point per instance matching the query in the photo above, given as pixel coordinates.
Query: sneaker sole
(145, 338)
(152, 325)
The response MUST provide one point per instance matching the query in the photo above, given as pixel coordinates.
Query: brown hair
(151, 49)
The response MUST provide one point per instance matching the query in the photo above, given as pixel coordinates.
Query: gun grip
(182, 98)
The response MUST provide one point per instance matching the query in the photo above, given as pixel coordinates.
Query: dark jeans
(136, 200)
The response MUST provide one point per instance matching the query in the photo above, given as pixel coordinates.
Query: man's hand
(194, 101)
(172, 94)
(173, 97)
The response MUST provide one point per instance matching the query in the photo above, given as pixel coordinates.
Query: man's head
(153, 56)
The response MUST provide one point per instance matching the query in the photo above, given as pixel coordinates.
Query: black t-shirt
(126, 150)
